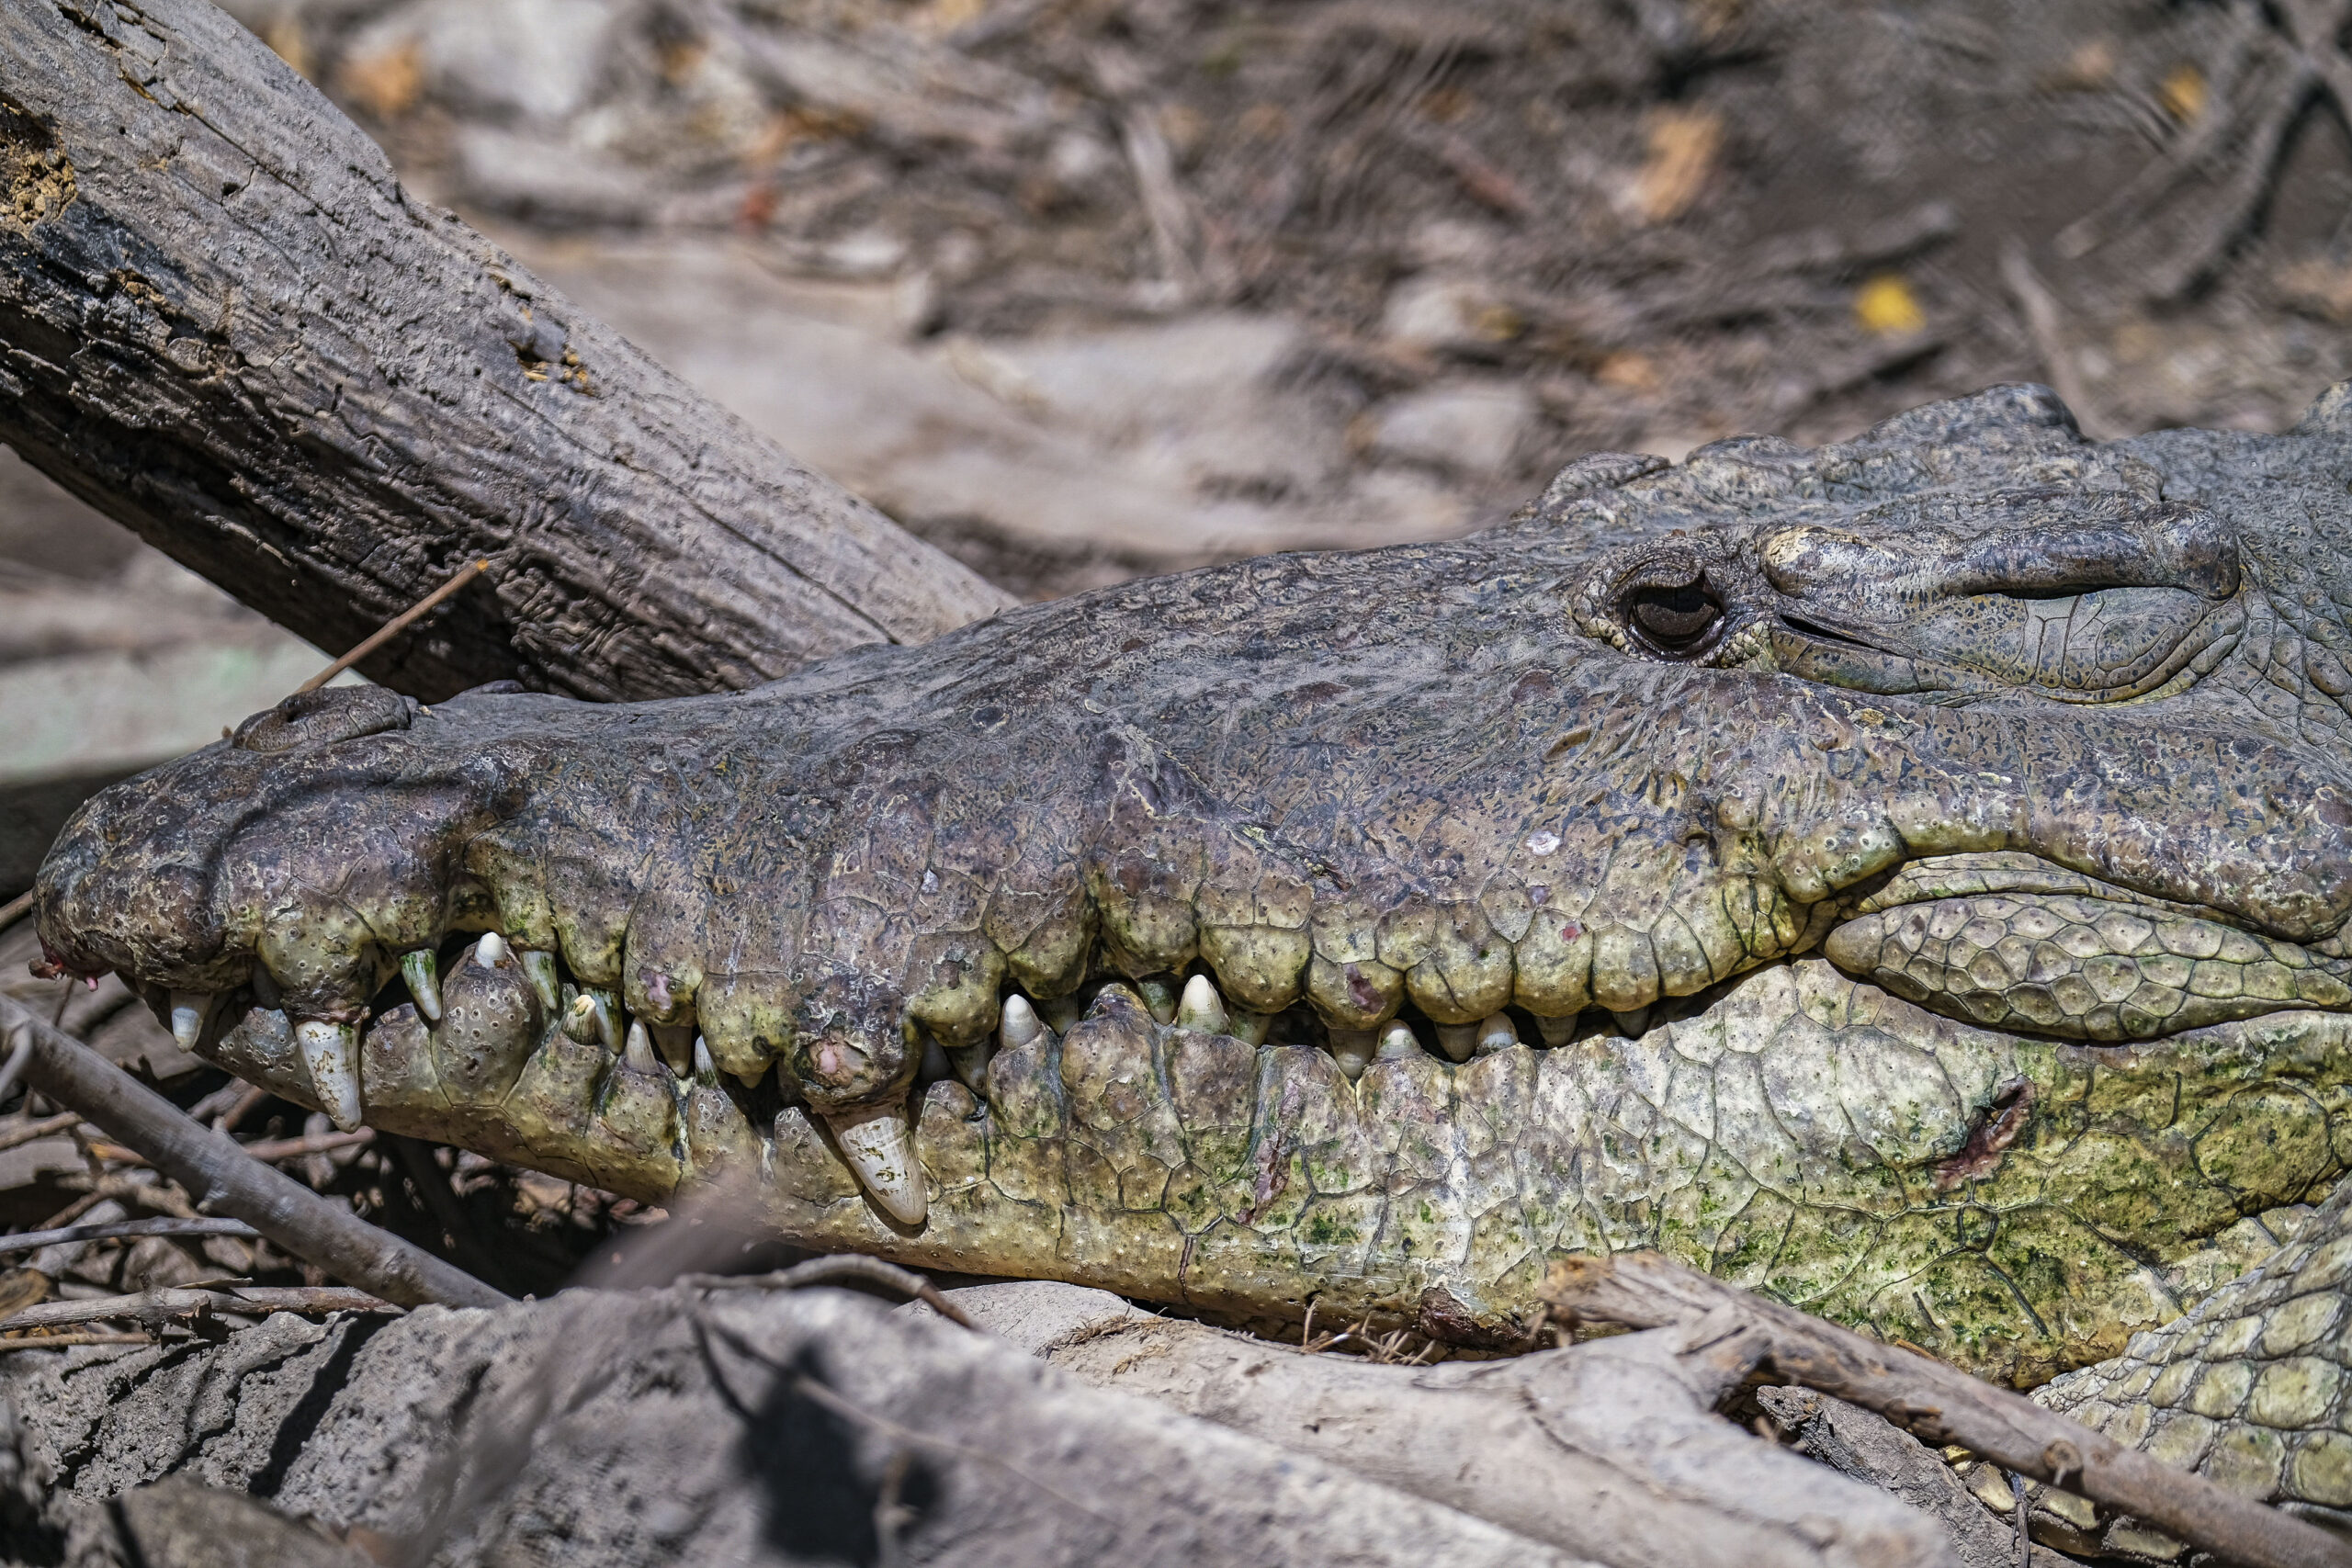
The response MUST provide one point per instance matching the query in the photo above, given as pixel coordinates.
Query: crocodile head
(1905, 876)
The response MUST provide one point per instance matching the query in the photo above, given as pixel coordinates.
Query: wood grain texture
(224, 322)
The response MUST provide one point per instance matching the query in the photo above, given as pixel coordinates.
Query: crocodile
(1907, 876)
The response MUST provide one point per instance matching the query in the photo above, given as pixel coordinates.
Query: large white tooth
(1396, 1042)
(1497, 1033)
(1351, 1049)
(1250, 1027)
(189, 1009)
(1062, 1013)
(422, 972)
(638, 1052)
(490, 951)
(1200, 1007)
(880, 1150)
(971, 1064)
(1018, 1025)
(1634, 1024)
(706, 1070)
(1457, 1040)
(1556, 1032)
(580, 1020)
(331, 1053)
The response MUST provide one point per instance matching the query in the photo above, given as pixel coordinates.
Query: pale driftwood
(1611, 1450)
(221, 1176)
(1942, 1405)
(180, 1303)
(223, 322)
(746, 1428)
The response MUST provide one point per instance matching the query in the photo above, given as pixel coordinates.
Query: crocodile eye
(1677, 621)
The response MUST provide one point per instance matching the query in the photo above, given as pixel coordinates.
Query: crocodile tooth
(1250, 1027)
(1396, 1042)
(1457, 1040)
(579, 1019)
(969, 1064)
(538, 967)
(677, 1044)
(1351, 1048)
(1017, 1025)
(1159, 997)
(608, 1017)
(934, 1065)
(1633, 1025)
(490, 951)
(1497, 1033)
(751, 1080)
(706, 1070)
(1556, 1032)
(879, 1149)
(1200, 1007)
(638, 1052)
(424, 977)
(1062, 1012)
(189, 1012)
(330, 1054)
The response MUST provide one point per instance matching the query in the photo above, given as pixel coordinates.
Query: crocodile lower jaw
(2017, 1204)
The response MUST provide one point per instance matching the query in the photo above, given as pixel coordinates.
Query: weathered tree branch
(223, 322)
(219, 1174)
(1942, 1405)
(1611, 1450)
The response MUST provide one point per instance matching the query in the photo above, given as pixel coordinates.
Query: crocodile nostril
(323, 716)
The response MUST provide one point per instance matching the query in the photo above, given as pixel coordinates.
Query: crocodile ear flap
(325, 716)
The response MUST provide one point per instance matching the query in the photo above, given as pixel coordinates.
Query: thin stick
(394, 626)
(66, 1341)
(16, 909)
(33, 1132)
(33, 1241)
(269, 1151)
(1942, 1405)
(218, 1174)
(828, 1270)
(156, 1308)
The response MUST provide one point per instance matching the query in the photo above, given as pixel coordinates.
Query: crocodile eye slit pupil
(1677, 621)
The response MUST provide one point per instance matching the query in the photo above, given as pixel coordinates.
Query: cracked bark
(224, 322)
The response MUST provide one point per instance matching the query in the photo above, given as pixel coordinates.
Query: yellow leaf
(2182, 92)
(1886, 306)
(1683, 145)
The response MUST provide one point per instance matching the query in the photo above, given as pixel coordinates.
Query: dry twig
(185, 1302)
(833, 1270)
(33, 1241)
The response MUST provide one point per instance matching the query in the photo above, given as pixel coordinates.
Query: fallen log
(223, 322)
(1611, 1450)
